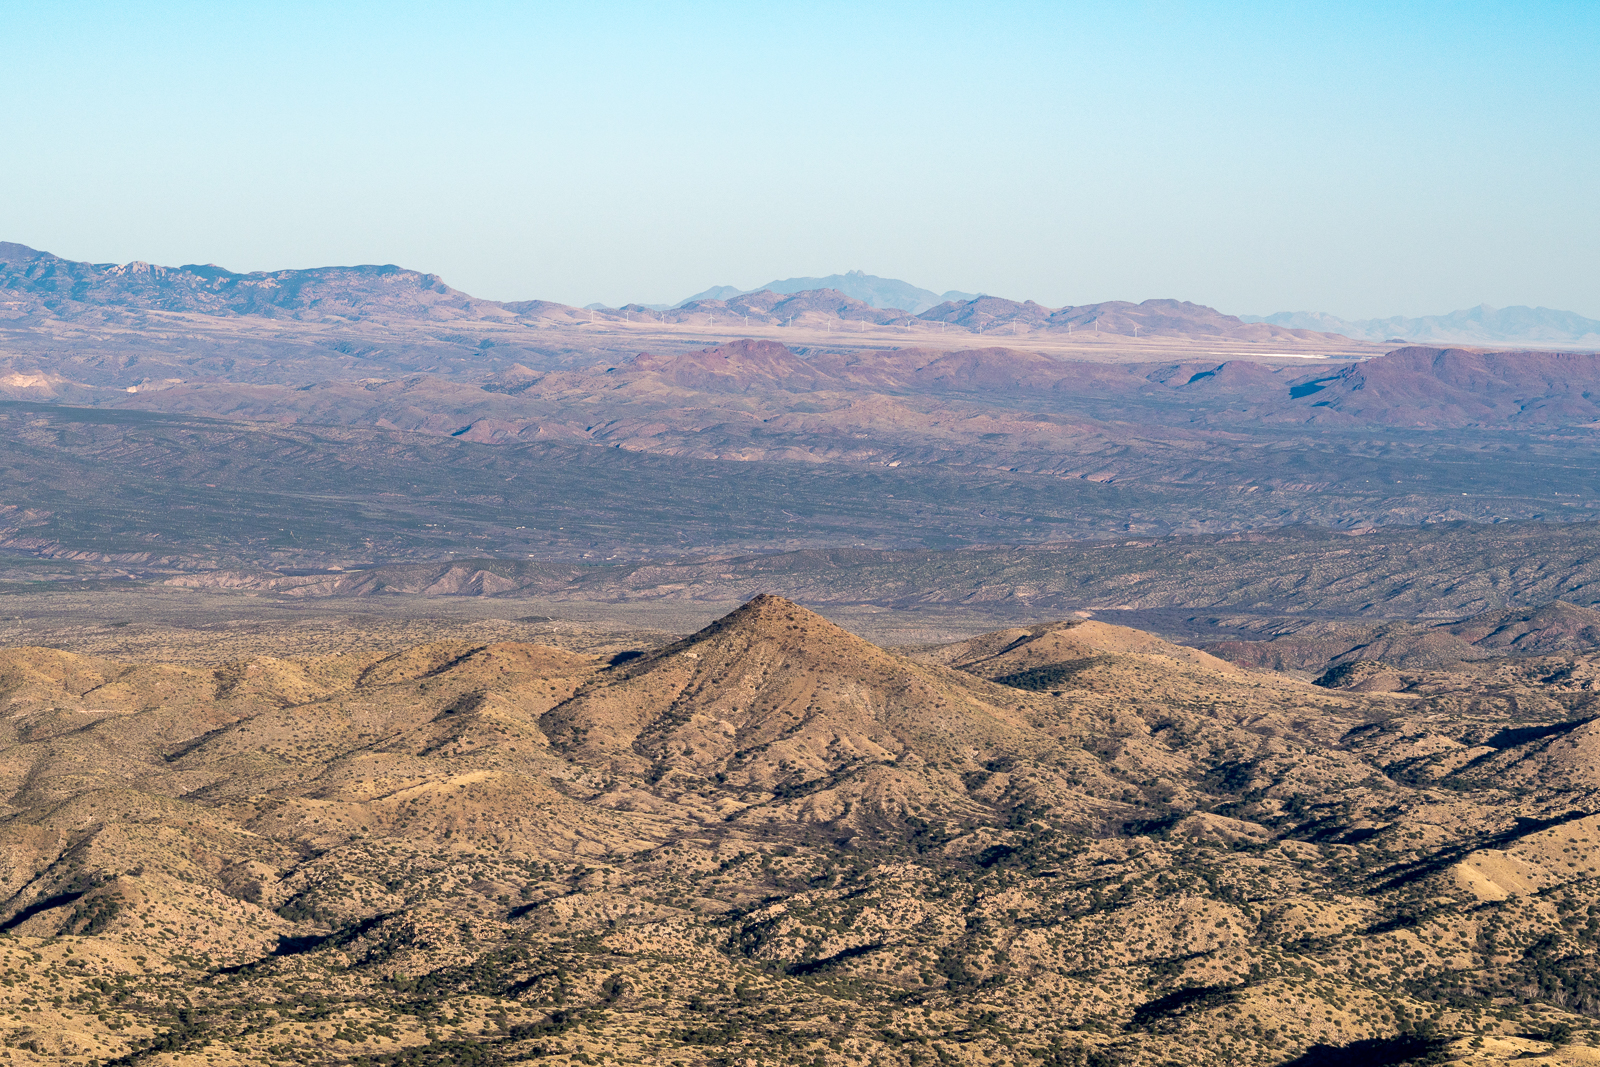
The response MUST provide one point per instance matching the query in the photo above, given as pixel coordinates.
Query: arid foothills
(1169, 689)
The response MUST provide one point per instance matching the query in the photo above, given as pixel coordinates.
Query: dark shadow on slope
(1407, 873)
(1512, 736)
(1375, 1052)
(57, 901)
(294, 946)
(1054, 676)
(1181, 1002)
(805, 967)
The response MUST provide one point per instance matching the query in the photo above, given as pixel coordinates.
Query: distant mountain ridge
(868, 288)
(34, 282)
(1472, 326)
(48, 281)
(1149, 318)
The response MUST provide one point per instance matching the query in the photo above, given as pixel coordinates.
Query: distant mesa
(980, 313)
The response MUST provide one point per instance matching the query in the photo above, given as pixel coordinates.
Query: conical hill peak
(771, 619)
(771, 692)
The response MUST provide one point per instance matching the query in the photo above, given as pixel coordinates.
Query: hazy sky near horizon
(1359, 158)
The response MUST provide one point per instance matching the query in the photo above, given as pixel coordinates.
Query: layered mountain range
(360, 430)
(32, 282)
(39, 283)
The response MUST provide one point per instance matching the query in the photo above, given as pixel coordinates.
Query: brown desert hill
(1236, 377)
(985, 313)
(1046, 656)
(1408, 645)
(1128, 696)
(770, 717)
(321, 748)
(1412, 646)
(1458, 387)
(1555, 627)
(780, 716)
(741, 367)
(774, 699)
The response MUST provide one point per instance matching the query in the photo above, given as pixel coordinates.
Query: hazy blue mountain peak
(867, 288)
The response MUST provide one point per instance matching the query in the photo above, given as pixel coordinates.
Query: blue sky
(1350, 158)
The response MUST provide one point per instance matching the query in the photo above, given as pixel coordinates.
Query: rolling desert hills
(770, 840)
(912, 448)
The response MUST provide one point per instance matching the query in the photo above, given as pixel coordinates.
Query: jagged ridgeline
(773, 842)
